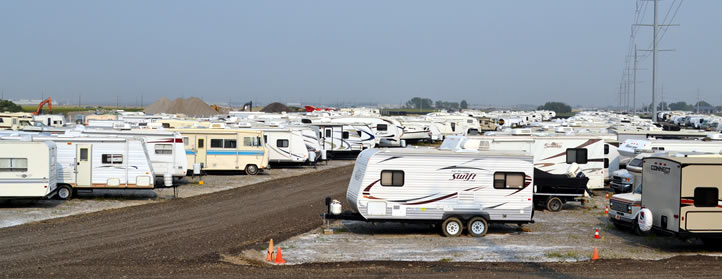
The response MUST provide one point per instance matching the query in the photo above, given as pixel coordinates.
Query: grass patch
(445, 260)
(342, 230)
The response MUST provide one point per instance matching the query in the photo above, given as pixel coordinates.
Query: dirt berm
(185, 238)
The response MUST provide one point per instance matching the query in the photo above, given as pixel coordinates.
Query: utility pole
(654, 50)
(634, 83)
(697, 100)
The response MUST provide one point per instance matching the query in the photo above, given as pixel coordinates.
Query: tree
(678, 106)
(419, 103)
(557, 107)
(447, 105)
(7, 105)
(464, 104)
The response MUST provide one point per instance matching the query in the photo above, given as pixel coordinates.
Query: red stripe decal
(430, 201)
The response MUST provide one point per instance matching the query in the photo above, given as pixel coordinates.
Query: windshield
(635, 162)
(638, 190)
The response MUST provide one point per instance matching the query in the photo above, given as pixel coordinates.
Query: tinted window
(382, 127)
(392, 178)
(508, 180)
(635, 162)
(200, 143)
(229, 143)
(328, 133)
(282, 143)
(577, 155)
(706, 197)
(216, 143)
(606, 149)
(83, 154)
(344, 135)
(112, 159)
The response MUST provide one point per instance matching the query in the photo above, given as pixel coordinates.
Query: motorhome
(225, 149)
(15, 120)
(27, 169)
(86, 163)
(51, 120)
(682, 196)
(344, 138)
(448, 188)
(554, 155)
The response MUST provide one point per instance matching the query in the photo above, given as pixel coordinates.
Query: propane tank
(168, 180)
(335, 207)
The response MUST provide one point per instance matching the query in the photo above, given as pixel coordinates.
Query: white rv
(27, 169)
(334, 137)
(631, 148)
(452, 189)
(51, 120)
(287, 146)
(86, 162)
(554, 155)
(387, 131)
(682, 196)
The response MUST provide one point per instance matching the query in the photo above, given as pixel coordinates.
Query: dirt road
(188, 238)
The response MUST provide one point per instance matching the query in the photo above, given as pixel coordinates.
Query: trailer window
(282, 143)
(13, 164)
(508, 180)
(200, 143)
(328, 133)
(344, 135)
(265, 139)
(114, 159)
(382, 127)
(606, 163)
(185, 141)
(166, 125)
(706, 196)
(658, 148)
(163, 149)
(392, 178)
(577, 155)
(228, 143)
(216, 143)
(252, 141)
(606, 149)
(359, 133)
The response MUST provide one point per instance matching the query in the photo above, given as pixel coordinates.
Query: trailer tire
(251, 169)
(554, 204)
(452, 227)
(65, 192)
(478, 227)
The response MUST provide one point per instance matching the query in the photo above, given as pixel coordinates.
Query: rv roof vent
(521, 132)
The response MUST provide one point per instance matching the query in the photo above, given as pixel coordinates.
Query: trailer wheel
(478, 227)
(64, 192)
(554, 204)
(251, 169)
(452, 227)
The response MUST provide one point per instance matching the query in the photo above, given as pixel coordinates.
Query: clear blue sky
(487, 52)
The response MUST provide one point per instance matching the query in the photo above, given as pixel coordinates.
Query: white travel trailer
(554, 155)
(387, 131)
(51, 120)
(27, 169)
(165, 149)
(287, 146)
(682, 196)
(86, 162)
(452, 189)
(341, 138)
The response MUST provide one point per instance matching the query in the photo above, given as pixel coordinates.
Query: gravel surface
(565, 236)
(16, 212)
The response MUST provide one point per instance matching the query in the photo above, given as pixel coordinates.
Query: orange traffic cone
(607, 196)
(269, 256)
(596, 233)
(606, 210)
(595, 256)
(279, 256)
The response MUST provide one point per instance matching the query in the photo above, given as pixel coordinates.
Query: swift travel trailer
(27, 169)
(451, 189)
(225, 149)
(682, 196)
(85, 162)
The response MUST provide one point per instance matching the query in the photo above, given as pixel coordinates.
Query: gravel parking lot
(16, 212)
(565, 236)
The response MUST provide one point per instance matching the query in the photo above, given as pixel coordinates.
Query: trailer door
(83, 172)
(201, 150)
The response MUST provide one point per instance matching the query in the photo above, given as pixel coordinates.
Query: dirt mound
(191, 107)
(275, 107)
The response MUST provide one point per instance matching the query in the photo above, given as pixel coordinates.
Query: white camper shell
(27, 169)
(683, 196)
(460, 189)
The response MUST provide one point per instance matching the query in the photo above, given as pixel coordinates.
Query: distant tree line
(426, 103)
(7, 105)
(557, 107)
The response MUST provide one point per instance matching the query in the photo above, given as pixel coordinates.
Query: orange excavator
(48, 101)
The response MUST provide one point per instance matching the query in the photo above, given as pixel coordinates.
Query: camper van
(448, 188)
(225, 149)
(682, 196)
(27, 169)
(87, 163)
